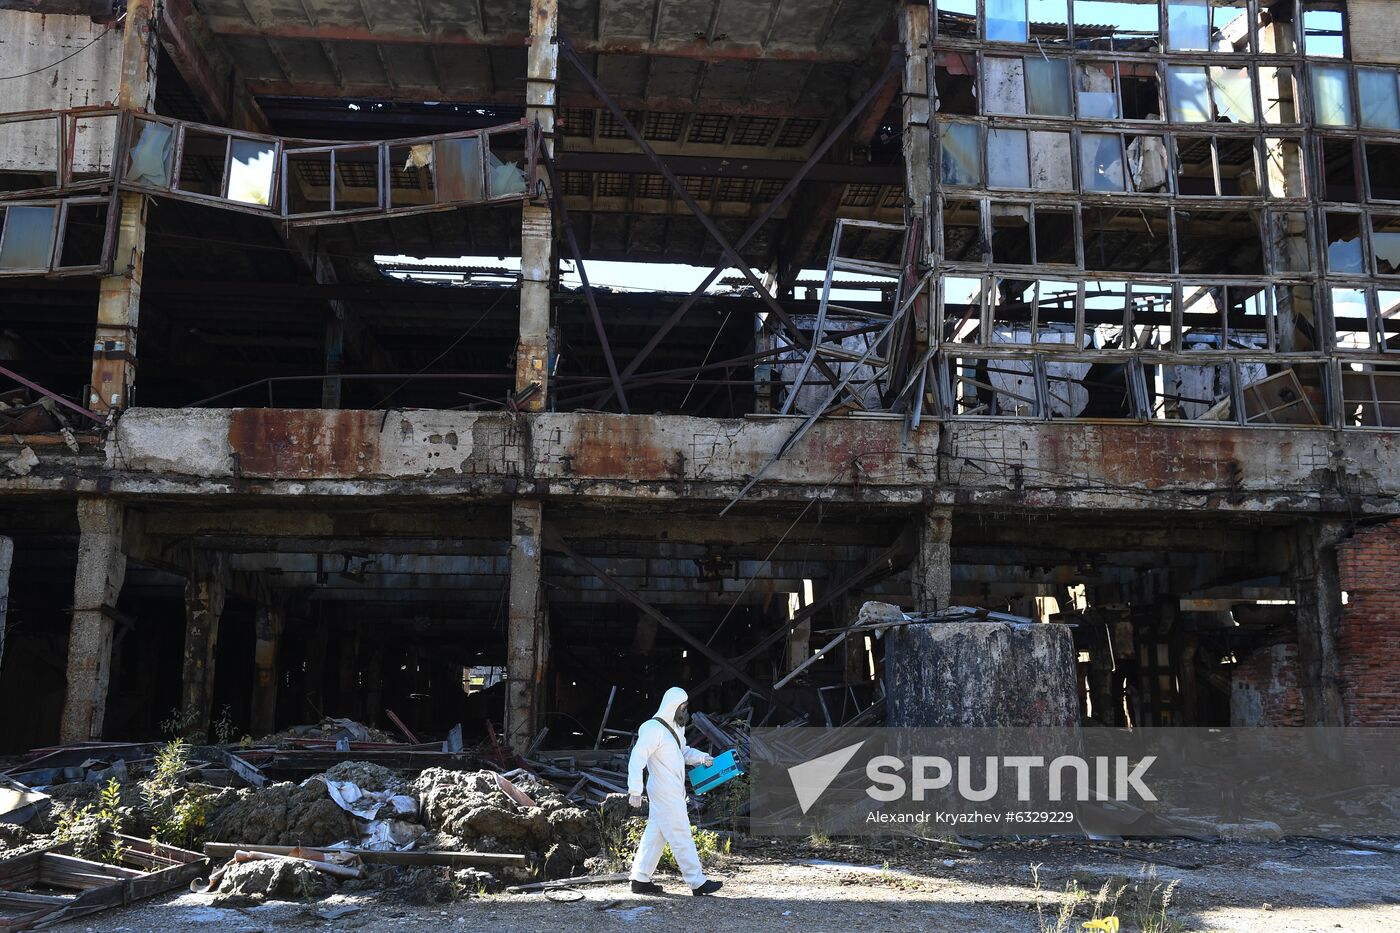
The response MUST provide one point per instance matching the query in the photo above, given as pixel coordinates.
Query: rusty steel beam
(728, 167)
(697, 48)
(209, 73)
(556, 194)
(730, 251)
(4, 371)
(555, 542)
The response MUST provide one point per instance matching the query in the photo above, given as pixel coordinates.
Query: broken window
(202, 160)
(1284, 165)
(1013, 311)
(1371, 395)
(1237, 169)
(1343, 238)
(1054, 236)
(1351, 325)
(1229, 26)
(1096, 87)
(1149, 318)
(1291, 394)
(1385, 243)
(955, 82)
(1288, 234)
(1139, 91)
(307, 180)
(1056, 318)
(956, 19)
(83, 233)
(1122, 24)
(148, 160)
(1383, 171)
(1380, 106)
(1105, 314)
(961, 308)
(1202, 317)
(1232, 92)
(251, 165)
(1324, 30)
(960, 154)
(1279, 94)
(1195, 165)
(32, 148)
(1011, 233)
(1191, 392)
(91, 142)
(962, 232)
(1008, 163)
(507, 165)
(27, 233)
(1249, 321)
(1126, 239)
(1219, 242)
(1331, 86)
(992, 387)
(1388, 318)
(1049, 19)
(1339, 175)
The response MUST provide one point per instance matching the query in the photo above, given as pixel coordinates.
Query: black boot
(709, 887)
(646, 887)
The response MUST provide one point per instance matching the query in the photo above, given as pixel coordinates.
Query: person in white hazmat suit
(662, 751)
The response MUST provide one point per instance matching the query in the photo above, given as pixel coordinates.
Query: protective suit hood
(671, 701)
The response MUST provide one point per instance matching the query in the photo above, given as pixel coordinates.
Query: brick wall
(1264, 689)
(1368, 644)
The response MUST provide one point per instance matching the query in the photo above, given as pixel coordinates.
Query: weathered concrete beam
(527, 636)
(933, 567)
(205, 594)
(97, 582)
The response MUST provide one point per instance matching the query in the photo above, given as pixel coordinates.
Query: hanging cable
(73, 54)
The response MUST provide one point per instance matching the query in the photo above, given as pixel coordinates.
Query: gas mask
(682, 715)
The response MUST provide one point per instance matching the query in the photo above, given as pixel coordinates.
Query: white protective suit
(662, 751)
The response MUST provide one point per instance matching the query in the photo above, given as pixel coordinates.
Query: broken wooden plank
(408, 733)
(225, 850)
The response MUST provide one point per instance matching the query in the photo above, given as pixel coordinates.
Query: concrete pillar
(119, 294)
(525, 637)
(205, 593)
(1318, 597)
(267, 629)
(537, 220)
(7, 553)
(918, 174)
(933, 565)
(97, 582)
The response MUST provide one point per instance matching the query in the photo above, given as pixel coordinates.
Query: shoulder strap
(671, 731)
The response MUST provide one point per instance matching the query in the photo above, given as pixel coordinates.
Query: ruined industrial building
(1080, 310)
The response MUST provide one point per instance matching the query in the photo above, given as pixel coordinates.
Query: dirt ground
(1288, 886)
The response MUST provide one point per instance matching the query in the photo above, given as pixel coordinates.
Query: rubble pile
(285, 814)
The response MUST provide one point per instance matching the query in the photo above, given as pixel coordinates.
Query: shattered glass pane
(250, 171)
(1344, 243)
(1379, 105)
(1007, 162)
(149, 160)
(961, 158)
(1006, 20)
(505, 177)
(1047, 86)
(458, 169)
(1096, 84)
(1332, 95)
(1188, 25)
(1188, 93)
(26, 242)
(1385, 243)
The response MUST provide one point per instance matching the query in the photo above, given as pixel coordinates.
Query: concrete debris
(250, 882)
(286, 814)
(331, 729)
(23, 463)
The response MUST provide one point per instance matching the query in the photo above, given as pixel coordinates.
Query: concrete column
(525, 637)
(537, 220)
(205, 593)
(119, 294)
(1318, 597)
(918, 174)
(7, 553)
(933, 566)
(267, 625)
(97, 582)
